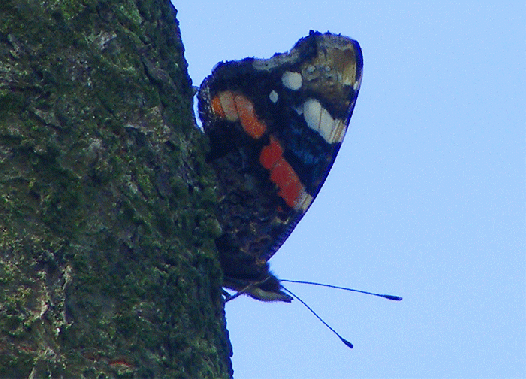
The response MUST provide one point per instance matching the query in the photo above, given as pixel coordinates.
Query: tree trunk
(108, 267)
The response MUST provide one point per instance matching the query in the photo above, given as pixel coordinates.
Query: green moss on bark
(108, 268)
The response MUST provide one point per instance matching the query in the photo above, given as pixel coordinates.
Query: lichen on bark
(107, 262)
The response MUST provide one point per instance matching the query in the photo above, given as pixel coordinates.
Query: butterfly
(275, 127)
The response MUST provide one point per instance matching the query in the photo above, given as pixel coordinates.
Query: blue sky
(426, 199)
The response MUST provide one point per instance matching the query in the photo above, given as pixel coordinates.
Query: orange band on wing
(253, 127)
(234, 107)
(271, 154)
(217, 108)
(291, 193)
(282, 174)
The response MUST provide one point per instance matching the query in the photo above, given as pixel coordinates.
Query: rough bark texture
(107, 262)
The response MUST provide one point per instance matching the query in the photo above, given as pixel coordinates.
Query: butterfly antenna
(388, 297)
(347, 343)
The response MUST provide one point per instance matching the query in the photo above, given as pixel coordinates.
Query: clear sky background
(426, 199)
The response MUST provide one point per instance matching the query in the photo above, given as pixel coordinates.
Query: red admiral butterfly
(275, 127)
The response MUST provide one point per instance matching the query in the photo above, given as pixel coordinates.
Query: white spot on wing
(311, 113)
(304, 201)
(273, 96)
(320, 120)
(292, 80)
(357, 84)
(337, 134)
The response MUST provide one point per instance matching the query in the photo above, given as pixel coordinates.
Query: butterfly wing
(275, 127)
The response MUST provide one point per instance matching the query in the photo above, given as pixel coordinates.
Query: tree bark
(108, 267)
